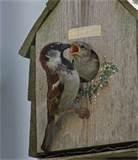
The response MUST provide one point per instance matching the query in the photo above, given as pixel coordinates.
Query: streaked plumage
(86, 60)
(56, 59)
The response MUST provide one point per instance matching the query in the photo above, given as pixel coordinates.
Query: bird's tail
(49, 135)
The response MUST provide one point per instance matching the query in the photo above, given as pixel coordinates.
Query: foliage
(92, 89)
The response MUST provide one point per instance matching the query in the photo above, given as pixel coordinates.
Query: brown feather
(53, 98)
(55, 94)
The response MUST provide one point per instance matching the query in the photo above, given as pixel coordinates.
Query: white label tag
(83, 32)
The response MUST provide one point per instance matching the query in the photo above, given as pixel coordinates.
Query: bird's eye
(82, 46)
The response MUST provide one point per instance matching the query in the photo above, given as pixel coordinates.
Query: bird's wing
(53, 95)
(53, 99)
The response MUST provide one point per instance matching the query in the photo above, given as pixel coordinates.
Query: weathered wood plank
(126, 154)
(114, 116)
(130, 8)
(111, 155)
(24, 50)
(32, 97)
(33, 136)
(41, 100)
(31, 85)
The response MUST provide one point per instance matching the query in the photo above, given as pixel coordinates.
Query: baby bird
(86, 60)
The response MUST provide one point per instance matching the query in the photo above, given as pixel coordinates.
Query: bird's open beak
(75, 50)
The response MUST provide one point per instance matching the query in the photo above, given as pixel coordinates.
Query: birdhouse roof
(30, 39)
(51, 4)
(131, 6)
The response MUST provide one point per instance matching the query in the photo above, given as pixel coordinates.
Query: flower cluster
(91, 89)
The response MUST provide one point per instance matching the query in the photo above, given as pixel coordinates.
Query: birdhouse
(110, 29)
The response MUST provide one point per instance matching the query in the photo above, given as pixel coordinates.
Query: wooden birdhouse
(110, 27)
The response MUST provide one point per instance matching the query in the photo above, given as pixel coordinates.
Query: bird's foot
(83, 113)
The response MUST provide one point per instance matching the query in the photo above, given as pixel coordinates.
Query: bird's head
(80, 49)
(54, 50)
(51, 54)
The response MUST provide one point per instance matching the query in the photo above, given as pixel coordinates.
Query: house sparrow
(61, 62)
(63, 84)
(86, 60)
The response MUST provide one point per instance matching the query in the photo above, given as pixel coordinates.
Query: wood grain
(31, 84)
(114, 118)
(132, 9)
(32, 98)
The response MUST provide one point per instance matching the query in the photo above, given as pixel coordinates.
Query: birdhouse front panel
(113, 109)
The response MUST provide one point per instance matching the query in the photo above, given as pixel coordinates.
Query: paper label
(83, 32)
